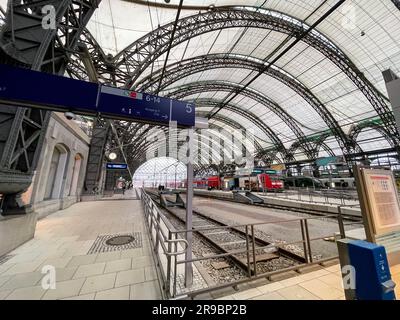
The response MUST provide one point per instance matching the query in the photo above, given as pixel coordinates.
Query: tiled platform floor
(63, 240)
(323, 284)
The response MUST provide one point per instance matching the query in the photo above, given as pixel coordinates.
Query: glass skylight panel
(258, 43)
(369, 140)
(379, 49)
(351, 108)
(289, 100)
(334, 146)
(296, 8)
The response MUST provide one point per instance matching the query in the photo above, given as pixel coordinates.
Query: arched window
(56, 175)
(75, 175)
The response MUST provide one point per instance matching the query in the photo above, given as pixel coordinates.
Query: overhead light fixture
(112, 156)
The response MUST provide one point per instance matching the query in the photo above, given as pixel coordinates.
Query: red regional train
(256, 182)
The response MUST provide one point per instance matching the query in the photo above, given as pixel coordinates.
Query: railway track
(225, 239)
(310, 211)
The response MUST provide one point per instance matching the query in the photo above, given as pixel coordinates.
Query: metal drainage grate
(116, 242)
(5, 258)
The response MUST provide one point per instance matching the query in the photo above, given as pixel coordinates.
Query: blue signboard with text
(27, 88)
(33, 89)
(117, 166)
(144, 106)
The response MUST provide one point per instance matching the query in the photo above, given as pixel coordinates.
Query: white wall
(72, 141)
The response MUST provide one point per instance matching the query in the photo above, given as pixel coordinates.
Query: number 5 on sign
(189, 108)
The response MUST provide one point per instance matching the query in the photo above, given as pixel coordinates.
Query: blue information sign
(22, 87)
(117, 166)
(144, 107)
(37, 89)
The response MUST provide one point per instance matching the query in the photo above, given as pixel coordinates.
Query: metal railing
(330, 197)
(166, 240)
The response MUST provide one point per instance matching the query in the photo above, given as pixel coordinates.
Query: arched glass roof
(158, 171)
(361, 35)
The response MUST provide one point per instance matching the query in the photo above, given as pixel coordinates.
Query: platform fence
(170, 246)
(341, 197)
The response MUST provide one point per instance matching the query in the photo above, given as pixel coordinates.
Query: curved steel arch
(326, 148)
(134, 59)
(24, 42)
(271, 155)
(396, 3)
(198, 87)
(145, 145)
(249, 116)
(356, 130)
(231, 123)
(191, 66)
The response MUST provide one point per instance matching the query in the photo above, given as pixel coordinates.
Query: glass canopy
(364, 34)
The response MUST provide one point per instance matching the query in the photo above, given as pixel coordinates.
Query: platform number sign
(27, 88)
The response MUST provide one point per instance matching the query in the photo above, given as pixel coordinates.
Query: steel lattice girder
(26, 41)
(231, 123)
(191, 66)
(132, 61)
(137, 153)
(141, 142)
(396, 3)
(325, 147)
(2, 16)
(100, 136)
(227, 121)
(248, 115)
(204, 86)
(356, 130)
(23, 41)
(269, 156)
(129, 64)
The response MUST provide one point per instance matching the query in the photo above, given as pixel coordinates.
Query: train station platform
(322, 284)
(303, 202)
(89, 263)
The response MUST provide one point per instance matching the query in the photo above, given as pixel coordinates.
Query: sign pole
(189, 210)
(175, 175)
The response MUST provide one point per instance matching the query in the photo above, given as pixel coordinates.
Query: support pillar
(189, 210)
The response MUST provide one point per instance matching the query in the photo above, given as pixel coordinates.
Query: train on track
(321, 183)
(268, 180)
(255, 182)
(272, 182)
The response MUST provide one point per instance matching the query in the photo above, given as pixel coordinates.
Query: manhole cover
(116, 242)
(120, 240)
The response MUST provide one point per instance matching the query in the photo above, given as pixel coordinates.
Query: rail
(304, 248)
